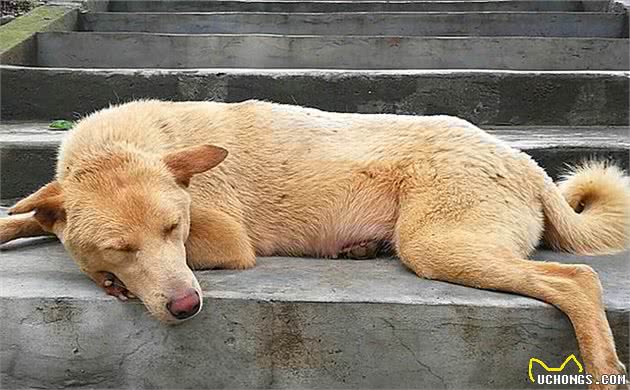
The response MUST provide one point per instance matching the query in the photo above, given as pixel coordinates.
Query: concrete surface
(28, 157)
(17, 43)
(578, 24)
(138, 50)
(4, 19)
(619, 6)
(288, 323)
(482, 97)
(29, 147)
(356, 6)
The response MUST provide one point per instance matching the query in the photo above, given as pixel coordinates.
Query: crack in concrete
(126, 355)
(502, 326)
(76, 341)
(522, 327)
(413, 354)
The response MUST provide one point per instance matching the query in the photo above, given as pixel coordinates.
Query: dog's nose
(185, 304)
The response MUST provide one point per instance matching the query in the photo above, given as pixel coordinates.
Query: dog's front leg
(20, 226)
(217, 240)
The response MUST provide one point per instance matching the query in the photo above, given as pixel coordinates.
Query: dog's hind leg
(474, 255)
(217, 240)
(20, 226)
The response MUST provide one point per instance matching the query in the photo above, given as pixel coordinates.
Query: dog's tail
(588, 211)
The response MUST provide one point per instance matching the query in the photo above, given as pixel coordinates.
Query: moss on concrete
(44, 18)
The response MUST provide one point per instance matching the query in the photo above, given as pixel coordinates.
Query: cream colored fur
(600, 192)
(456, 203)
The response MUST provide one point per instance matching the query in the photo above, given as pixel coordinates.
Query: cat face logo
(553, 369)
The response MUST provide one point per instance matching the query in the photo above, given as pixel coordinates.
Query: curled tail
(588, 211)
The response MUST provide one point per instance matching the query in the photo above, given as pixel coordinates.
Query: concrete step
(287, 323)
(356, 6)
(482, 97)
(31, 147)
(533, 24)
(136, 50)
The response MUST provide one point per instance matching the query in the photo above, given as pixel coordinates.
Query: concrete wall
(129, 50)
(288, 323)
(357, 6)
(409, 23)
(497, 98)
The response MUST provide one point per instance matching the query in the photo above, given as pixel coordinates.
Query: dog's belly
(327, 232)
(330, 241)
(338, 237)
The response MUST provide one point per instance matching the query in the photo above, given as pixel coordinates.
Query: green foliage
(61, 124)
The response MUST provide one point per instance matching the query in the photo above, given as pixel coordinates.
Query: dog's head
(128, 213)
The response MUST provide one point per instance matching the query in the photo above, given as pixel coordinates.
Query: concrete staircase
(550, 77)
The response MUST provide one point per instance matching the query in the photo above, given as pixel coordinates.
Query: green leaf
(61, 124)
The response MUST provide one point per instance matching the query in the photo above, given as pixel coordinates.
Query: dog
(146, 191)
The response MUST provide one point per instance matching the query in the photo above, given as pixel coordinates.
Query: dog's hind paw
(361, 251)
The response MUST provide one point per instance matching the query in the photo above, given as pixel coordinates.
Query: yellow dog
(147, 191)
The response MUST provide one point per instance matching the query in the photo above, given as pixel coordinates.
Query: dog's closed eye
(123, 248)
(127, 248)
(119, 245)
(168, 229)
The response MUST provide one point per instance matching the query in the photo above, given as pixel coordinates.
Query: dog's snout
(185, 304)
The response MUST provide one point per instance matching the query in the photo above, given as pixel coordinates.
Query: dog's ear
(190, 161)
(47, 202)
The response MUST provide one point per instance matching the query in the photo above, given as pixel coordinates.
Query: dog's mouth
(181, 306)
(115, 287)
